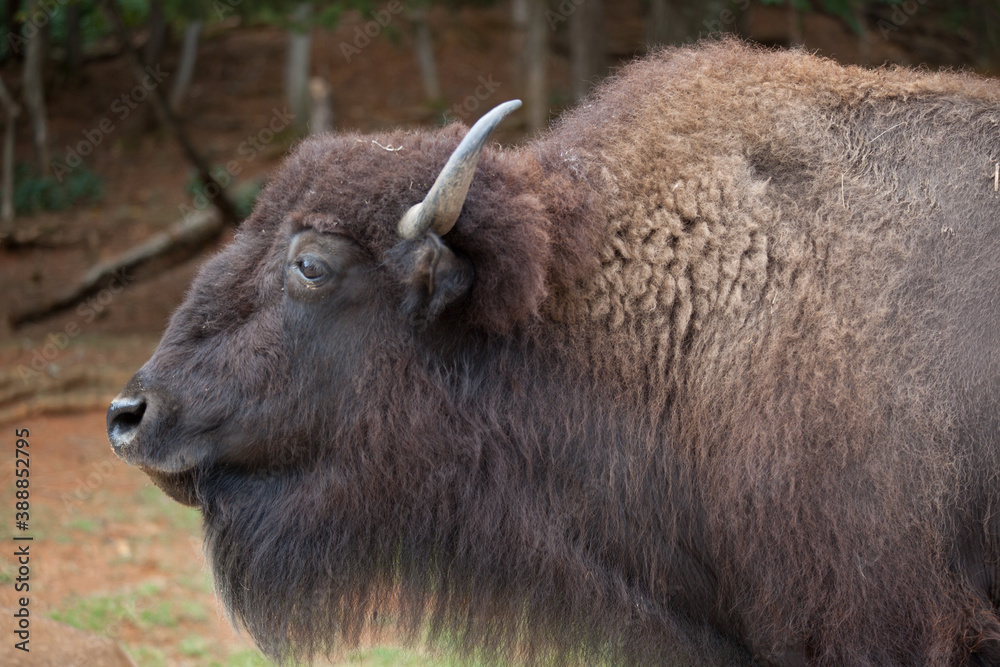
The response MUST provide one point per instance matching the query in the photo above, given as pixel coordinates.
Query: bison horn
(440, 208)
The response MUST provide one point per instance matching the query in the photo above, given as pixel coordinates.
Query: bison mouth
(180, 486)
(209, 486)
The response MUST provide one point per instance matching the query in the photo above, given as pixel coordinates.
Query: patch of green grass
(194, 646)
(161, 615)
(202, 582)
(143, 608)
(114, 513)
(243, 658)
(41, 521)
(147, 656)
(153, 503)
(192, 611)
(97, 613)
(149, 589)
(84, 524)
(391, 656)
(384, 656)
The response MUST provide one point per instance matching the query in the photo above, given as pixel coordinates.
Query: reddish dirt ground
(96, 536)
(101, 529)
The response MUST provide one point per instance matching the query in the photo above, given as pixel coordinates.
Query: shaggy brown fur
(726, 382)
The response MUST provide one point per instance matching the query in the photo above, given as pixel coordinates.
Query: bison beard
(710, 373)
(306, 557)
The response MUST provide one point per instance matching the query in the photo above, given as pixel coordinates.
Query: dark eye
(311, 268)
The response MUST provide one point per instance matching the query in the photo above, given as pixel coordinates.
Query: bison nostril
(124, 417)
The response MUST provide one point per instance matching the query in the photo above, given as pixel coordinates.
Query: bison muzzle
(709, 373)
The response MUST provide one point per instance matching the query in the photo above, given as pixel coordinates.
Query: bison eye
(311, 268)
(320, 265)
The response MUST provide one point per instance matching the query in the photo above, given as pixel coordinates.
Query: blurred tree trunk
(670, 22)
(794, 26)
(157, 23)
(159, 103)
(74, 41)
(152, 52)
(7, 206)
(185, 69)
(297, 64)
(664, 24)
(865, 38)
(34, 93)
(986, 33)
(12, 24)
(656, 23)
(535, 63)
(320, 106)
(518, 38)
(424, 45)
(587, 46)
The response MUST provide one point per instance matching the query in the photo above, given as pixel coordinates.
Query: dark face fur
(282, 329)
(255, 409)
(235, 357)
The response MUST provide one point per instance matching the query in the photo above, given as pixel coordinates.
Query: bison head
(296, 310)
(350, 396)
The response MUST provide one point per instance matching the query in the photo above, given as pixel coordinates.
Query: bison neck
(504, 501)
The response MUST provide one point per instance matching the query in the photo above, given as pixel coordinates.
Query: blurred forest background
(138, 133)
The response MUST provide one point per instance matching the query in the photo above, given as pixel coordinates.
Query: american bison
(708, 373)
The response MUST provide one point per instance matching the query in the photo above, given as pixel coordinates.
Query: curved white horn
(440, 208)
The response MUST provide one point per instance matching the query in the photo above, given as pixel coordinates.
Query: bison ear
(434, 277)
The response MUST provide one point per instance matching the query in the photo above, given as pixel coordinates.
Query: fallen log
(179, 242)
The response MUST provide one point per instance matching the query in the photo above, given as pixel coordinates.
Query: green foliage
(244, 196)
(94, 27)
(324, 14)
(961, 14)
(33, 193)
(329, 16)
(845, 10)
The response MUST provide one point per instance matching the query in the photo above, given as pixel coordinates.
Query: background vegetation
(137, 134)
